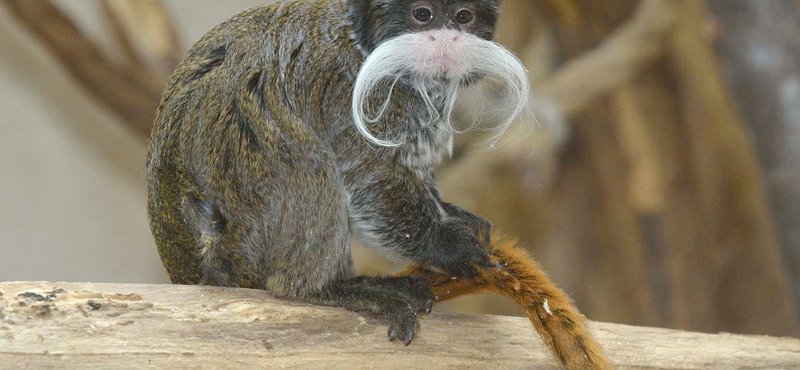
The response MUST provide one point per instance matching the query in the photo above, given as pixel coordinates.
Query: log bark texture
(125, 326)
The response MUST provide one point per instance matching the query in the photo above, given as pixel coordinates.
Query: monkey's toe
(403, 325)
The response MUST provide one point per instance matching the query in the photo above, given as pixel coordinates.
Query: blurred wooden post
(739, 247)
(767, 88)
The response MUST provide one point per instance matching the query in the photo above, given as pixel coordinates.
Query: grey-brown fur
(257, 177)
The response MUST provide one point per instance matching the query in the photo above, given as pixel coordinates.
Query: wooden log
(127, 326)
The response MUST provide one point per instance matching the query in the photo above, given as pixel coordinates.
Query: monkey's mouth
(442, 78)
(470, 79)
(445, 66)
(440, 53)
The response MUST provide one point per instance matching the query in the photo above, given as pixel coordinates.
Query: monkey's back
(240, 147)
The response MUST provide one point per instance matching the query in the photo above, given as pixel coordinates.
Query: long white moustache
(410, 57)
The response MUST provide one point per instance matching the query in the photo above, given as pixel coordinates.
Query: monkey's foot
(414, 290)
(398, 299)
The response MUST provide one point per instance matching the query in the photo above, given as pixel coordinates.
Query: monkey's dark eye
(423, 15)
(464, 16)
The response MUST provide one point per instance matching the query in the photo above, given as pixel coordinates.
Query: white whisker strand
(385, 104)
(382, 63)
(450, 100)
(421, 87)
(396, 59)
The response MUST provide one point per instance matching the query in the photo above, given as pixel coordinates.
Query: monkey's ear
(496, 3)
(362, 15)
(359, 8)
(358, 3)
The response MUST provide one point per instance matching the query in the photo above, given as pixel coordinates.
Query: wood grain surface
(126, 326)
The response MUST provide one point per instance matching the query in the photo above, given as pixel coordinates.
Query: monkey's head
(437, 47)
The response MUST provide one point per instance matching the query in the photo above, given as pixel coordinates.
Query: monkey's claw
(403, 325)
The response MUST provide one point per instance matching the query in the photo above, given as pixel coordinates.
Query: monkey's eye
(464, 16)
(423, 15)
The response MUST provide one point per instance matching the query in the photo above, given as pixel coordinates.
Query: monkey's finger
(412, 333)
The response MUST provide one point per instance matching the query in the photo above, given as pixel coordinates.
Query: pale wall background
(72, 183)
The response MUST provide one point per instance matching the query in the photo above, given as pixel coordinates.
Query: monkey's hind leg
(307, 254)
(551, 312)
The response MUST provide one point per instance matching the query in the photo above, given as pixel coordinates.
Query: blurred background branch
(146, 33)
(131, 88)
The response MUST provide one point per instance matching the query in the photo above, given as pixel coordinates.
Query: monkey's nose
(441, 35)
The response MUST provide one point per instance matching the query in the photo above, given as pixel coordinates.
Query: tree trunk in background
(759, 51)
(614, 265)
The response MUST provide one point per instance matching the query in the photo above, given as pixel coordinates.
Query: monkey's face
(436, 47)
(376, 21)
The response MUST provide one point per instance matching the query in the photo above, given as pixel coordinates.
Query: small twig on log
(124, 326)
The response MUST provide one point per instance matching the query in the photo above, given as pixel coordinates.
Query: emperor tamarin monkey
(295, 124)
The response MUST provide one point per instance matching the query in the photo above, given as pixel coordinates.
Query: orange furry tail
(551, 312)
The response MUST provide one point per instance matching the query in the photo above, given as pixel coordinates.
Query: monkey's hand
(462, 243)
(477, 225)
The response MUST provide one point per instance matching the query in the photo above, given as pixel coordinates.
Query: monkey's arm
(551, 312)
(398, 209)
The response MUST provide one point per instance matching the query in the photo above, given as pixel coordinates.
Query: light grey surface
(72, 187)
